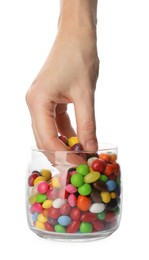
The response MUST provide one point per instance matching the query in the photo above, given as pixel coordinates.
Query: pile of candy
(84, 199)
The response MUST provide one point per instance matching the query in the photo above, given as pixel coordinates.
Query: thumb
(85, 118)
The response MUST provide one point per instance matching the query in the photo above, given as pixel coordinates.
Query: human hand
(69, 75)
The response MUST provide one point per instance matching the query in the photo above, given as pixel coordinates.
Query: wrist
(78, 15)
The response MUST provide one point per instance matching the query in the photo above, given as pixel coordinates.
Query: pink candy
(70, 188)
(37, 207)
(42, 187)
(72, 200)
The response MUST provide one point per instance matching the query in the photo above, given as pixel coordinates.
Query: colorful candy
(82, 199)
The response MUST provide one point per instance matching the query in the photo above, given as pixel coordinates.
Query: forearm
(76, 14)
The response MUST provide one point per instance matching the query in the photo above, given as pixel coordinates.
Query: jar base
(65, 237)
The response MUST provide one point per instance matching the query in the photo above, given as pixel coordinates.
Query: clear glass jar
(74, 195)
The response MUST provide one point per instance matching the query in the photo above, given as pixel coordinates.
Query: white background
(27, 30)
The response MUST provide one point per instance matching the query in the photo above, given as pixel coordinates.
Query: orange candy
(106, 157)
(109, 169)
(83, 203)
(113, 157)
(116, 169)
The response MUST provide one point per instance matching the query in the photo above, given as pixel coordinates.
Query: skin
(68, 75)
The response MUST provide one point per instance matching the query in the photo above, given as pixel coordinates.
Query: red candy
(37, 207)
(75, 214)
(98, 225)
(108, 170)
(53, 213)
(31, 178)
(65, 209)
(110, 216)
(88, 217)
(48, 227)
(98, 165)
(73, 226)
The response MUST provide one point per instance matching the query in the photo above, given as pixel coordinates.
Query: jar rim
(103, 147)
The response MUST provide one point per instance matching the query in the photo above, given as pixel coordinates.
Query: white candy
(97, 207)
(58, 203)
(91, 160)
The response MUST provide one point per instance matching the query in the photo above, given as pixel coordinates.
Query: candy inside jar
(66, 200)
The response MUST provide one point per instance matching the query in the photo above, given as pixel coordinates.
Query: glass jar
(74, 195)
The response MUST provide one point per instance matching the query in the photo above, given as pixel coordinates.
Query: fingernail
(91, 145)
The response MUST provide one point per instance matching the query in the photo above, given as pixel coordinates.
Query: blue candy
(35, 216)
(64, 220)
(111, 185)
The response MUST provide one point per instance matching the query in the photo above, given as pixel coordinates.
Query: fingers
(85, 117)
(45, 129)
(63, 121)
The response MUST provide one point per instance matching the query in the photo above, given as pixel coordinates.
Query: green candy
(40, 198)
(85, 189)
(82, 169)
(91, 177)
(77, 180)
(59, 228)
(101, 215)
(86, 227)
(103, 178)
(116, 210)
(118, 181)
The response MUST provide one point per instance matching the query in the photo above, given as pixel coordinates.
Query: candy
(108, 170)
(54, 212)
(41, 197)
(59, 228)
(70, 188)
(37, 207)
(72, 141)
(42, 218)
(82, 169)
(98, 165)
(46, 174)
(47, 204)
(40, 225)
(88, 217)
(98, 225)
(58, 203)
(42, 187)
(75, 214)
(100, 186)
(105, 195)
(111, 185)
(91, 177)
(101, 215)
(83, 203)
(77, 180)
(65, 209)
(77, 147)
(97, 207)
(106, 157)
(85, 189)
(63, 139)
(55, 182)
(72, 200)
(73, 227)
(32, 178)
(39, 179)
(86, 227)
(81, 199)
(64, 220)
(91, 160)
(48, 227)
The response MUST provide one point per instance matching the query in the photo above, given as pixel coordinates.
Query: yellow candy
(40, 225)
(56, 182)
(42, 218)
(106, 197)
(113, 195)
(91, 177)
(46, 174)
(39, 179)
(47, 204)
(32, 200)
(72, 141)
